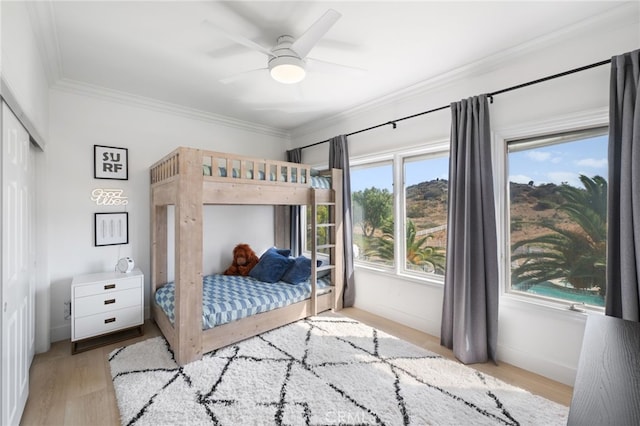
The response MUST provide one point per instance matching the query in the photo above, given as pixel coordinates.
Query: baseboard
(560, 373)
(61, 332)
(403, 318)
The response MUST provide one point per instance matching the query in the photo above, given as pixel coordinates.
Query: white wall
(541, 339)
(223, 228)
(78, 121)
(24, 76)
(21, 65)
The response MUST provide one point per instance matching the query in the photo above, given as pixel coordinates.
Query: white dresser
(103, 304)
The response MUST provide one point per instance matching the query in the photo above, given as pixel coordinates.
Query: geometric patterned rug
(318, 371)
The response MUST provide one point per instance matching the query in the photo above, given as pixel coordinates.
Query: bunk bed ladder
(322, 243)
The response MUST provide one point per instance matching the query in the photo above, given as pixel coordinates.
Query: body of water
(551, 290)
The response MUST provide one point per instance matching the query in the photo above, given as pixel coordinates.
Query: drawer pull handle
(110, 301)
(109, 286)
(108, 320)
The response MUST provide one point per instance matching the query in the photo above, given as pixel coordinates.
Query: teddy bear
(244, 258)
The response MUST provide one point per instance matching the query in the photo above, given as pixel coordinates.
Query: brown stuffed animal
(244, 258)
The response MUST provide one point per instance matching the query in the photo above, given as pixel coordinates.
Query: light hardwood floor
(77, 390)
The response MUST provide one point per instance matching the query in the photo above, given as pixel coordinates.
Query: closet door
(18, 268)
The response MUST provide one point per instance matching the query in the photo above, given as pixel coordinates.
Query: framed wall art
(110, 162)
(111, 228)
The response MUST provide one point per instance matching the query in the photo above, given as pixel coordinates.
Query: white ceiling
(161, 51)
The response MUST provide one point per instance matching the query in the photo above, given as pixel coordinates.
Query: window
(425, 197)
(417, 244)
(558, 216)
(373, 218)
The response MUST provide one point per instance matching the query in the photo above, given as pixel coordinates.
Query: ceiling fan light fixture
(287, 69)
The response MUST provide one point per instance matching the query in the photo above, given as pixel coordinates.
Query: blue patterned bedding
(228, 298)
(321, 182)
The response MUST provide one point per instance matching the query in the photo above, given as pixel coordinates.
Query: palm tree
(574, 255)
(417, 253)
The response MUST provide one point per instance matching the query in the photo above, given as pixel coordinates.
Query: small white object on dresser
(105, 303)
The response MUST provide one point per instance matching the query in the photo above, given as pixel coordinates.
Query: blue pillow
(300, 271)
(271, 266)
(271, 250)
(281, 252)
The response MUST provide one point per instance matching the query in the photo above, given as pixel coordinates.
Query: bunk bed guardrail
(225, 167)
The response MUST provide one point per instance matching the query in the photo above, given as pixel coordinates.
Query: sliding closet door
(18, 266)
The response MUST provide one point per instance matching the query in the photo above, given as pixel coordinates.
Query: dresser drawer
(106, 322)
(109, 301)
(106, 286)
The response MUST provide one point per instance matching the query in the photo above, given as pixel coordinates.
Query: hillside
(529, 205)
(429, 197)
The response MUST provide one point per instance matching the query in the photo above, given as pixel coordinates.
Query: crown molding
(625, 14)
(42, 16)
(98, 92)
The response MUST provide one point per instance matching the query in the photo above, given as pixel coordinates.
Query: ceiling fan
(287, 60)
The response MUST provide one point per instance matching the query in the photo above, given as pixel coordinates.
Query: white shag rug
(318, 371)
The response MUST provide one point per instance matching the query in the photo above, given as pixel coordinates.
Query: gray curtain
(339, 159)
(295, 231)
(470, 306)
(622, 298)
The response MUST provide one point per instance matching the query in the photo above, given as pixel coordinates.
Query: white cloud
(539, 155)
(520, 179)
(593, 163)
(565, 177)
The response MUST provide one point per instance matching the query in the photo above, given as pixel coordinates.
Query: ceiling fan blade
(242, 75)
(332, 67)
(303, 45)
(239, 39)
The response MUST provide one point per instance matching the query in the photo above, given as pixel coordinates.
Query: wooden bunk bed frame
(178, 179)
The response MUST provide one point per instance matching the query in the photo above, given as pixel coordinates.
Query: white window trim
(435, 150)
(566, 123)
(435, 147)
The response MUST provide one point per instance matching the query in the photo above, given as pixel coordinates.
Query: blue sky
(560, 163)
(415, 172)
(378, 177)
(550, 164)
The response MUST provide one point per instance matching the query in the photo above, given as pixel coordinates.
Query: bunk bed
(190, 178)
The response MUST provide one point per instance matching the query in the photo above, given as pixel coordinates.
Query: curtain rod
(490, 95)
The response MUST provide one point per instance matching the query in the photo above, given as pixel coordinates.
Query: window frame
(376, 161)
(432, 155)
(436, 148)
(597, 118)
